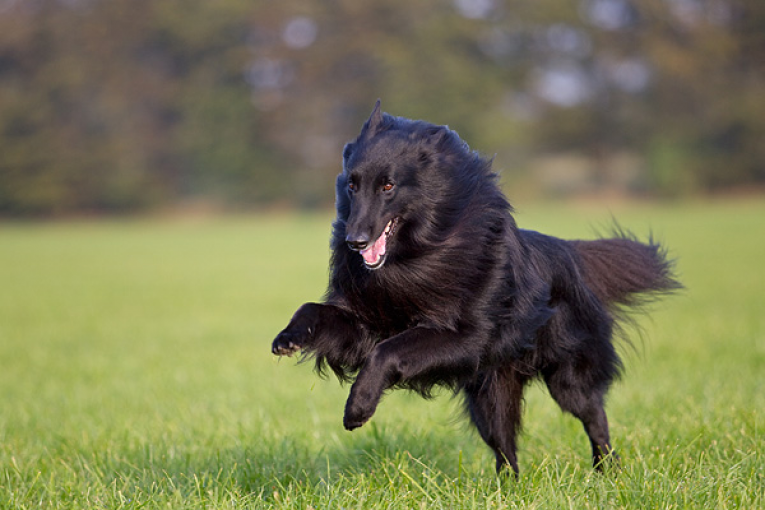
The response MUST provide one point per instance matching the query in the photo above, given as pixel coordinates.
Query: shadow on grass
(371, 454)
(261, 468)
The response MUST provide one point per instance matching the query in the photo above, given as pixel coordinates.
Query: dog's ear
(434, 138)
(374, 124)
(347, 151)
(435, 134)
(426, 141)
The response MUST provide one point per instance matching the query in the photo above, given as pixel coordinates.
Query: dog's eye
(351, 186)
(388, 186)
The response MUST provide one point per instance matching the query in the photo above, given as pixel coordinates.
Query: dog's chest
(389, 310)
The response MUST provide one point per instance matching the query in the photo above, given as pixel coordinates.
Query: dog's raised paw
(284, 345)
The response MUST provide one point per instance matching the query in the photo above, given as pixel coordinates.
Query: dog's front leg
(435, 354)
(377, 375)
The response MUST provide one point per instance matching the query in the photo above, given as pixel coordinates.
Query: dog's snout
(357, 242)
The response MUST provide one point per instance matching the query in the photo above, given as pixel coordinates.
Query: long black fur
(464, 298)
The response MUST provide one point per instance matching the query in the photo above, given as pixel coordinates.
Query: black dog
(433, 284)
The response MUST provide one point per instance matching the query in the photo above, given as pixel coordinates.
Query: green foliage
(137, 374)
(121, 105)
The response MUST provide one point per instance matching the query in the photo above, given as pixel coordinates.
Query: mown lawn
(136, 373)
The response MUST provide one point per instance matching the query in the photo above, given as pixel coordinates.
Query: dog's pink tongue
(373, 253)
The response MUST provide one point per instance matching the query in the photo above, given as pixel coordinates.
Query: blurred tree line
(119, 105)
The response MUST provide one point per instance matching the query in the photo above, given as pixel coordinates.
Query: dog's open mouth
(374, 256)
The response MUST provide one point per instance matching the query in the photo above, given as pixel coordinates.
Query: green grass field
(136, 373)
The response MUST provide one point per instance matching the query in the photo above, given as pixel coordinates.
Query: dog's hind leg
(585, 401)
(494, 401)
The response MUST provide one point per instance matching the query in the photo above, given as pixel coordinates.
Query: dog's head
(387, 179)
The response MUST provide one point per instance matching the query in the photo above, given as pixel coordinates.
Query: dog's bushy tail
(624, 272)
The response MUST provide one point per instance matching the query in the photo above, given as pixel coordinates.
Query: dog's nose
(357, 243)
